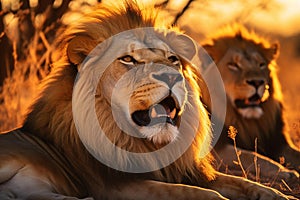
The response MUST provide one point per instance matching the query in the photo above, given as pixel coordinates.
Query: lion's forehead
(248, 55)
(248, 61)
(133, 42)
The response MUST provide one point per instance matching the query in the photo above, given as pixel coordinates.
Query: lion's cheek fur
(105, 129)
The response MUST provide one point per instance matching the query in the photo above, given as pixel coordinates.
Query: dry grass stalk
(257, 169)
(286, 185)
(232, 132)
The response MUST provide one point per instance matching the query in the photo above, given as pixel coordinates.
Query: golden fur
(243, 56)
(118, 21)
(49, 156)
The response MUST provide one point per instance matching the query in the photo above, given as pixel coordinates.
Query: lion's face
(245, 61)
(147, 89)
(143, 83)
(246, 78)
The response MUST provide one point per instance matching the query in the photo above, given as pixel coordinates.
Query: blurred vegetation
(27, 32)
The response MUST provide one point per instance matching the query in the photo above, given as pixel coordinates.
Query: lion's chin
(163, 133)
(251, 112)
(250, 108)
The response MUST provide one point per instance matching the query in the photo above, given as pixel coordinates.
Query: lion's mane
(50, 117)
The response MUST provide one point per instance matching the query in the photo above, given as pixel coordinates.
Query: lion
(140, 87)
(255, 107)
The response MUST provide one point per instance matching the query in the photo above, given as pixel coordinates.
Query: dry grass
(274, 181)
(20, 89)
(232, 134)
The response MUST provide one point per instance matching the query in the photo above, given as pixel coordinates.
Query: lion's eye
(174, 59)
(233, 66)
(128, 60)
(263, 65)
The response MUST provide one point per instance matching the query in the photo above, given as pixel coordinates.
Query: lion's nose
(169, 78)
(255, 83)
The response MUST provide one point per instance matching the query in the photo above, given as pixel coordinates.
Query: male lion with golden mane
(247, 64)
(146, 82)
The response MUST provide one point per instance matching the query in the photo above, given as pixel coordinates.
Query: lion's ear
(182, 45)
(210, 49)
(272, 52)
(79, 47)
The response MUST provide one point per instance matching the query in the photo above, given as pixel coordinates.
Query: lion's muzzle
(165, 111)
(166, 108)
(169, 78)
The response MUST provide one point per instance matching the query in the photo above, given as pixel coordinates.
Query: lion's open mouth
(253, 101)
(165, 111)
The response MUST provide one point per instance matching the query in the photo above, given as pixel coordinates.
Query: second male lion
(247, 64)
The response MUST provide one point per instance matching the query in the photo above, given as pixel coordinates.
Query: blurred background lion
(255, 117)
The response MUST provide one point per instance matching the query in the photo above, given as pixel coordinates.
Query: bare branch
(25, 4)
(56, 13)
(162, 4)
(42, 6)
(6, 59)
(26, 28)
(186, 7)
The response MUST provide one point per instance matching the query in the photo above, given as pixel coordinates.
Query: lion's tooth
(153, 113)
(162, 115)
(173, 113)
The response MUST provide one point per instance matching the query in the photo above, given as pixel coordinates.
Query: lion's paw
(288, 175)
(265, 193)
